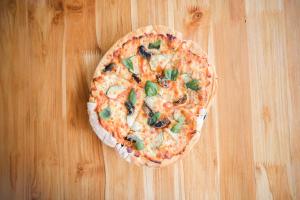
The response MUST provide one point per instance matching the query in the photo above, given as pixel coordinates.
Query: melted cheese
(159, 61)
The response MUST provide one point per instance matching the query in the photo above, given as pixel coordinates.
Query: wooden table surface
(250, 145)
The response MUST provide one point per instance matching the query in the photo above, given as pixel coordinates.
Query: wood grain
(250, 145)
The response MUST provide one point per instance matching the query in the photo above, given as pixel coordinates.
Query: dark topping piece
(108, 67)
(170, 36)
(143, 52)
(162, 81)
(136, 78)
(153, 118)
(181, 100)
(162, 123)
(130, 107)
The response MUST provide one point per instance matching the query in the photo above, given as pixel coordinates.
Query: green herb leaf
(171, 74)
(176, 128)
(168, 74)
(150, 88)
(193, 85)
(153, 119)
(181, 119)
(132, 97)
(105, 113)
(138, 143)
(128, 64)
(174, 74)
(154, 45)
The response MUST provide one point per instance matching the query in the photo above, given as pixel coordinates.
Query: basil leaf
(150, 88)
(132, 97)
(171, 74)
(105, 113)
(128, 64)
(153, 118)
(181, 119)
(193, 85)
(168, 74)
(139, 144)
(174, 74)
(176, 128)
(154, 45)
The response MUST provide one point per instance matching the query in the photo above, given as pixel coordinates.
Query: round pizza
(150, 94)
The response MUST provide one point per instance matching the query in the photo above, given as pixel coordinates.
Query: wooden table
(250, 145)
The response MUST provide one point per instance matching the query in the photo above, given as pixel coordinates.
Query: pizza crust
(108, 139)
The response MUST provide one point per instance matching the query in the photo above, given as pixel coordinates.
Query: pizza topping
(159, 60)
(170, 36)
(128, 64)
(180, 120)
(132, 64)
(138, 143)
(136, 78)
(162, 123)
(193, 85)
(162, 81)
(153, 118)
(143, 52)
(114, 91)
(130, 107)
(176, 128)
(147, 109)
(154, 45)
(105, 113)
(132, 96)
(171, 74)
(150, 88)
(108, 67)
(181, 100)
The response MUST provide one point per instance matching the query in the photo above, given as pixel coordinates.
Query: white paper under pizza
(109, 140)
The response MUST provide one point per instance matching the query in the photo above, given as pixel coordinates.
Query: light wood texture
(250, 145)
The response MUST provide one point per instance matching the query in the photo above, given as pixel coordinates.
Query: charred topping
(143, 52)
(130, 139)
(108, 67)
(130, 107)
(136, 78)
(162, 123)
(181, 100)
(170, 36)
(162, 81)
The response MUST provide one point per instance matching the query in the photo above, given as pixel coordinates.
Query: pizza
(150, 94)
